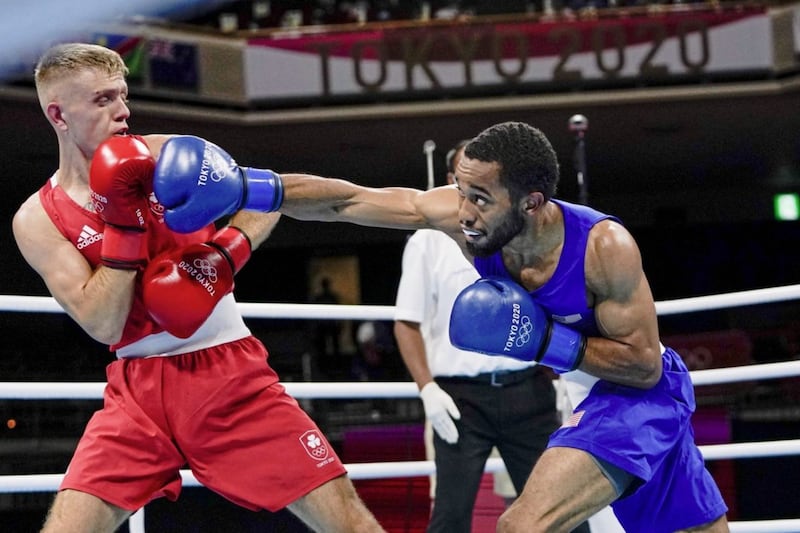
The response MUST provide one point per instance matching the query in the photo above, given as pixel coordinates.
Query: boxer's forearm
(102, 305)
(308, 197)
(257, 226)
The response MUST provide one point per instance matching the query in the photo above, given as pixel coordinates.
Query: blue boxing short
(648, 433)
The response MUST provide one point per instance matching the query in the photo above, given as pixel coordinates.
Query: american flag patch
(573, 420)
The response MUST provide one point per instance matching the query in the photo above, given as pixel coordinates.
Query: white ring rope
(401, 469)
(765, 526)
(713, 376)
(46, 304)
(404, 469)
(731, 299)
(56, 390)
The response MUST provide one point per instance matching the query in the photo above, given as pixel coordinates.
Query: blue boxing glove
(496, 316)
(198, 183)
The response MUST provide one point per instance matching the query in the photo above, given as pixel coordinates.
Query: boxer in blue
(561, 284)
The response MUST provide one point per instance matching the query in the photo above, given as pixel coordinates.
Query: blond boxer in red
(193, 387)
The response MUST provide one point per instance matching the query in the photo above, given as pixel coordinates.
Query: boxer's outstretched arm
(308, 197)
(98, 300)
(198, 183)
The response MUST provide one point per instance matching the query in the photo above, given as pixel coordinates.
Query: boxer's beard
(510, 226)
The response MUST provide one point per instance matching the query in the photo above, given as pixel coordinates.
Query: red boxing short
(221, 411)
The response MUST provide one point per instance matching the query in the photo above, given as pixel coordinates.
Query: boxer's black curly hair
(527, 159)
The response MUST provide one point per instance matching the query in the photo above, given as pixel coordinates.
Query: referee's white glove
(440, 409)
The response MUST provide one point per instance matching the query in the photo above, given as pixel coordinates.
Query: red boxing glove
(182, 287)
(120, 177)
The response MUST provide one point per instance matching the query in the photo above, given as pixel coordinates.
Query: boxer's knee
(519, 518)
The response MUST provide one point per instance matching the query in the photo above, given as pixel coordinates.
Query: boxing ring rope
(57, 390)
(400, 469)
(46, 304)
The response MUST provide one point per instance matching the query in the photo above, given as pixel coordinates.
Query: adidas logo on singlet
(87, 237)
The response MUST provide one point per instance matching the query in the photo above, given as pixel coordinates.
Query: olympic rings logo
(155, 207)
(519, 330)
(98, 202)
(525, 330)
(217, 176)
(220, 166)
(206, 268)
(315, 447)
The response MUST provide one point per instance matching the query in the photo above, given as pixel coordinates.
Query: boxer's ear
(532, 202)
(55, 116)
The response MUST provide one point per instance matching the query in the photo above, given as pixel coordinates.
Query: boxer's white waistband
(225, 324)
